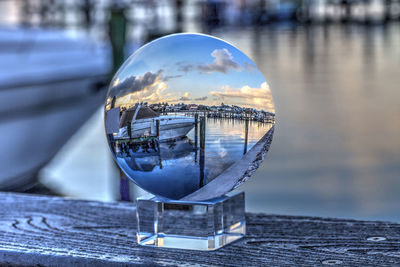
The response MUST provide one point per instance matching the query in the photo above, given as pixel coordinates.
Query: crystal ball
(189, 117)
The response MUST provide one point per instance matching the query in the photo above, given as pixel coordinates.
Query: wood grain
(54, 231)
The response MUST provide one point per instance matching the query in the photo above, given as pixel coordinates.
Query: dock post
(117, 36)
(86, 8)
(202, 165)
(246, 135)
(124, 187)
(159, 155)
(202, 132)
(158, 129)
(202, 147)
(196, 128)
(130, 131)
(158, 142)
(178, 5)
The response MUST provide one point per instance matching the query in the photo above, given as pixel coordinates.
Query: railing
(53, 231)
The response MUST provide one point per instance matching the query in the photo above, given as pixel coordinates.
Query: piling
(124, 187)
(113, 100)
(158, 142)
(202, 165)
(196, 129)
(202, 147)
(246, 135)
(117, 32)
(202, 132)
(159, 156)
(179, 15)
(158, 129)
(86, 8)
(130, 130)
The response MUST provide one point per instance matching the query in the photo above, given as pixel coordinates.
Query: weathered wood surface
(53, 231)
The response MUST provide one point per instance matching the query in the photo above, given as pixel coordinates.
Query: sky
(191, 68)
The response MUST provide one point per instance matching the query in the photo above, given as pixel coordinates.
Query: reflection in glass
(182, 110)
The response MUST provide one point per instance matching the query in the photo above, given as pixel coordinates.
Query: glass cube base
(202, 225)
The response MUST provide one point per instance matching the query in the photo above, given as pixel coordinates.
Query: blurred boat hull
(49, 86)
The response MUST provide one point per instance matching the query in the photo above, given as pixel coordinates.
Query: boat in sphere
(141, 122)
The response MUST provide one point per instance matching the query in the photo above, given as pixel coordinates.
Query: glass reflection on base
(199, 225)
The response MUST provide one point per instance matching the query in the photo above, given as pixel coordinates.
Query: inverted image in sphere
(189, 116)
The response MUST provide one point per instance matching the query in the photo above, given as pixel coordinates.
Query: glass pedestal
(202, 225)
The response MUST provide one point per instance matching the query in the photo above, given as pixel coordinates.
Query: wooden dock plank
(54, 231)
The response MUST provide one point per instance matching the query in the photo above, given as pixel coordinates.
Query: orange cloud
(259, 98)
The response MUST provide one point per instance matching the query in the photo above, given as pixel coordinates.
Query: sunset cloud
(147, 88)
(259, 98)
(203, 98)
(134, 83)
(185, 97)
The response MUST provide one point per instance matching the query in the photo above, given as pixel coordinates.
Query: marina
(322, 148)
(203, 159)
(194, 143)
(325, 145)
(197, 127)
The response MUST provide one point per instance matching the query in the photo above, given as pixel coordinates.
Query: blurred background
(333, 67)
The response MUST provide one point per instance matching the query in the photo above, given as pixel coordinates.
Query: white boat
(50, 84)
(144, 121)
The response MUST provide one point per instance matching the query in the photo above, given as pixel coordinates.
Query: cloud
(223, 62)
(134, 83)
(148, 87)
(259, 98)
(222, 152)
(203, 98)
(185, 97)
(152, 94)
(169, 77)
(249, 66)
(185, 67)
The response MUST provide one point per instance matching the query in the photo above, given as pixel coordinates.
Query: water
(177, 169)
(336, 148)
